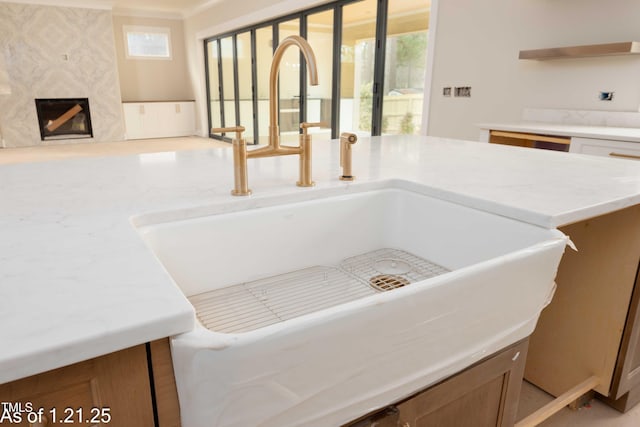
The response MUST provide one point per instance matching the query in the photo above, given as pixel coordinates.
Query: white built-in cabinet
(605, 147)
(159, 119)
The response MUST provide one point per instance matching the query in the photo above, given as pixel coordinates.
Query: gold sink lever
(305, 154)
(241, 183)
(347, 139)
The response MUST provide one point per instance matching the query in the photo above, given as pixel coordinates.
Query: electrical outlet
(605, 96)
(463, 91)
(446, 91)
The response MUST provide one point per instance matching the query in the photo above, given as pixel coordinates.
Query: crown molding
(147, 13)
(204, 5)
(83, 4)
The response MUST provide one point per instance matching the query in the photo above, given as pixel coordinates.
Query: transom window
(147, 42)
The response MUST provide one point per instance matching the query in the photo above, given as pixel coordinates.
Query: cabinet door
(134, 114)
(485, 395)
(108, 390)
(627, 374)
(180, 117)
(606, 148)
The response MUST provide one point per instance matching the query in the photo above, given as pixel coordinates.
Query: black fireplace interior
(64, 118)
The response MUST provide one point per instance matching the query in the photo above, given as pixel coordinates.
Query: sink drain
(391, 266)
(387, 282)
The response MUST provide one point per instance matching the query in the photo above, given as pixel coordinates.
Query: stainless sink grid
(252, 305)
(387, 269)
(248, 306)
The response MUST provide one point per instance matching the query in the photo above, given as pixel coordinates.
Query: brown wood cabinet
(530, 140)
(592, 326)
(134, 387)
(483, 395)
(625, 388)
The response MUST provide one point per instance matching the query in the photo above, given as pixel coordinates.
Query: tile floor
(595, 414)
(65, 151)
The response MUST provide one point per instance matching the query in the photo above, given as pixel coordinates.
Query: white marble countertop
(76, 280)
(629, 134)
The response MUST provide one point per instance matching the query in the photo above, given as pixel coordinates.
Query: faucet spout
(309, 56)
(240, 153)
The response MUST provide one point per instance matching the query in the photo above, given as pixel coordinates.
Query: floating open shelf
(607, 49)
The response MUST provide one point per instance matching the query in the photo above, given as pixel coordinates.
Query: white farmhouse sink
(334, 364)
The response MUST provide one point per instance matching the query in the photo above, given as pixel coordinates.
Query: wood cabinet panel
(116, 384)
(483, 395)
(579, 334)
(166, 393)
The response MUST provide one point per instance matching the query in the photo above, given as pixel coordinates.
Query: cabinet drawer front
(607, 148)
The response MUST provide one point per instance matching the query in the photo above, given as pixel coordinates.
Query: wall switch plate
(463, 91)
(605, 96)
(446, 91)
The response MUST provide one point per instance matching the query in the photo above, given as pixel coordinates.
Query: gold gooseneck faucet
(240, 153)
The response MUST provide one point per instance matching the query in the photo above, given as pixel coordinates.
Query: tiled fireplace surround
(57, 52)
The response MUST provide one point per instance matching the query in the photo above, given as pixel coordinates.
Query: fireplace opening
(64, 118)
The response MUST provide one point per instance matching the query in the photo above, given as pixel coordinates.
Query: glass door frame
(336, 6)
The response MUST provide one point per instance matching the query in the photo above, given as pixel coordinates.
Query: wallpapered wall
(57, 52)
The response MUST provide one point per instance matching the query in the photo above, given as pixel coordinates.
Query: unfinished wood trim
(516, 142)
(579, 333)
(165, 384)
(64, 118)
(583, 51)
(557, 404)
(532, 137)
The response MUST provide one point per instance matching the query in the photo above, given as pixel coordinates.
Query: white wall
(477, 45)
(478, 42)
(57, 52)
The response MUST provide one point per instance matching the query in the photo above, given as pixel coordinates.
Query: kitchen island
(77, 282)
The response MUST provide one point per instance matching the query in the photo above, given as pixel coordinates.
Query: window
(147, 42)
(371, 57)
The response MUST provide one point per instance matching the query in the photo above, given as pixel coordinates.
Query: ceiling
(183, 8)
(170, 7)
(159, 8)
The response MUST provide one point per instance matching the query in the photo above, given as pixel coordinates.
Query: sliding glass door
(371, 57)
(357, 66)
(405, 66)
(319, 29)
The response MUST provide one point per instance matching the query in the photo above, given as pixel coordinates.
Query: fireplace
(64, 118)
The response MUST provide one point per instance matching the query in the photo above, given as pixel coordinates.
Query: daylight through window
(147, 42)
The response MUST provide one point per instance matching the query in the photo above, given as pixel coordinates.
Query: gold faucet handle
(348, 137)
(237, 129)
(306, 125)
